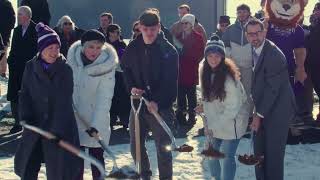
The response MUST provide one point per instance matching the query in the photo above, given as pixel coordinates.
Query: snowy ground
(302, 162)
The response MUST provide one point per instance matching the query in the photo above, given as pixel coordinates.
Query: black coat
(65, 44)
(40, 10)
(167, 34)
(8, 20)
(45, 101)
(312, 46)
(153, 68)
(23, 49)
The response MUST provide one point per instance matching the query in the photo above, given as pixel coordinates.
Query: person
(121, 100)
(177, 28)
(40, 10)
(190, 56)
(224, 105)
(68, 33)
(23, 49)
(274, 102)
(224, 22)
(150, 67)
(239, 49)
(167, 33)
(93, 64)
(45, 101)
(135, 30)
(105, 20)
(313, 53)
(7, 23)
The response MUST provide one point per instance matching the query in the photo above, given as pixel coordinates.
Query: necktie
(255, 58)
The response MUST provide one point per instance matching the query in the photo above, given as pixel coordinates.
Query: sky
(255, 6)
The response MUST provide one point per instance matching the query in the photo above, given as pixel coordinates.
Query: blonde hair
(63, 20)
(88, 43)
(26, 10)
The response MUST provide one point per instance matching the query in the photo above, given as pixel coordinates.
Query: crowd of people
(62, 78)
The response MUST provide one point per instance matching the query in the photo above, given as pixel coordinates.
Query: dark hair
(243, 7)
(253, 22)
(136, 23)
(185, 6)
(213, 89)
(112, 28)
(109, 15)
(149, 18)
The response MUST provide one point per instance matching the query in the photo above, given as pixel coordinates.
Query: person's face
(186, 26)
(114, 35)
(23, 18)
(67, 26)
(149, 34)
(214, 59)
(93, 51)
(255, 35)
(104, 21)
(182, 12)
(243, 15)
(51, 53)
(136, 30)
(223, 26)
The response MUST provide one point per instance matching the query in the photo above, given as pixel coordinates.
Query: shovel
(173, 147)
(66, 146)
(118, 173)
(210, 152)
(251, 159)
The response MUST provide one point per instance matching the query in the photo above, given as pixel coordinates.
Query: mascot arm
(300, 54)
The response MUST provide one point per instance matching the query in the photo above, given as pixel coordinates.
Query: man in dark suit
(274, 102)
(40, 10)
(23, 49)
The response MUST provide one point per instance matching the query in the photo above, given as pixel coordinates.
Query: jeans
(224, 169)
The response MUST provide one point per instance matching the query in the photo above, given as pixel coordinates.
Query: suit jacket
(272, 94)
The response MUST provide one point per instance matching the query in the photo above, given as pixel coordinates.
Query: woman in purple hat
(46, 102)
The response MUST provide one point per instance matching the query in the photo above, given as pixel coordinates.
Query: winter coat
(45, 101)
(40, 10)
(120, 46)
(23, 49)
(167, 33)
(93, 91)
(191, 55)
(8, 20)
(153, 68)
(176, 30)
(312, 46)
(65, 43)
(228, 119)
(237, 46)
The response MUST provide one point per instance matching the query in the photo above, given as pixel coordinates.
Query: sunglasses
(253, 34)
(67, 23)
(184, 23)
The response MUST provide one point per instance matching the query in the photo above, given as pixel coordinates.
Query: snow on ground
(302, 162)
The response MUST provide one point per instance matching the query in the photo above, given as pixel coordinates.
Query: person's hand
(256, 123)
(136, 91)
(300, 75)
(152, 107)
(199, 109)
(92, 131)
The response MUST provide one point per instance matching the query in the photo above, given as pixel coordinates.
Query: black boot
(181, 118)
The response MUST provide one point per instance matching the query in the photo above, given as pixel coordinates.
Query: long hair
(213, 80)
(62, 20)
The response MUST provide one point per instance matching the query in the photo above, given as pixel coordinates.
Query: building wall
(86, 13)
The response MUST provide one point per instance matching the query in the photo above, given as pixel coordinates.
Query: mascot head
(285, 13)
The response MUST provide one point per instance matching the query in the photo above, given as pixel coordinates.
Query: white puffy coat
(93, 91)
(228, 119)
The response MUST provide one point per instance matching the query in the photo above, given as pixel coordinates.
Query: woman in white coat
(93, 63)
(225, 106)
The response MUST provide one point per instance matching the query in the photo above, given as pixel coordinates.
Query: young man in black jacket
(150, 65)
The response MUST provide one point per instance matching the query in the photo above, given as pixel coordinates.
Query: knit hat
(190, 18)
(215, 45)
(92, 35)
(46, 36)
(224, 19)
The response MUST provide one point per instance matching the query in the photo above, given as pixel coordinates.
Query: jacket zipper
(235, 128)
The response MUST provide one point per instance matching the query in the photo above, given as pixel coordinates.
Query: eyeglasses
(184, 23)
(67, 23)
(253, 34)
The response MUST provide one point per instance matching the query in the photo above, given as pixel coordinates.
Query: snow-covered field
(302, 162)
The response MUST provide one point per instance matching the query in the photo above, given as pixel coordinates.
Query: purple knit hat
(46, 36)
